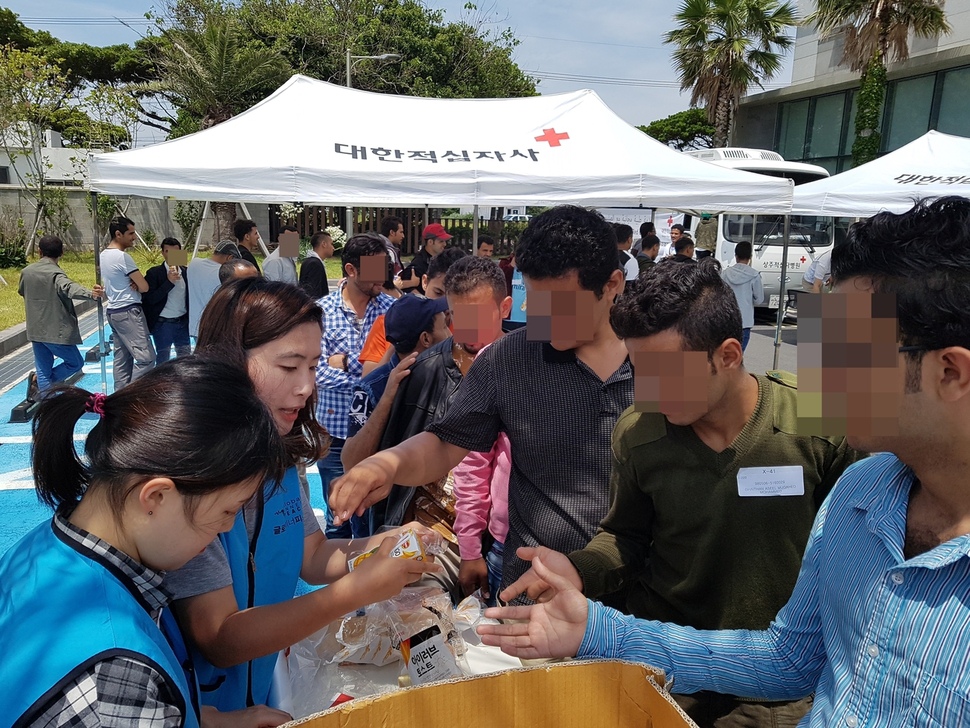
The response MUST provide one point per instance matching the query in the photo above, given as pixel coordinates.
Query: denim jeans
(169, 333)
(330, 468)
(493, 560)
(47, 373)
(745, 336)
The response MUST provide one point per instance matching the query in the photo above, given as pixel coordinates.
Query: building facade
(813, 119)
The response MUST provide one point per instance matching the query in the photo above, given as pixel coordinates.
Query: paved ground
(19, 509)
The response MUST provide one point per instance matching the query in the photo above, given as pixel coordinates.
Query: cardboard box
(580, 693)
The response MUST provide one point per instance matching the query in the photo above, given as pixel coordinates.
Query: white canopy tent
(314, 142)
(935, 165)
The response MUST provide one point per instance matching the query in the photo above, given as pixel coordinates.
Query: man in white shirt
(123, 285)
(280, 265)
(818, 273)
(203, 280)
(624, 241)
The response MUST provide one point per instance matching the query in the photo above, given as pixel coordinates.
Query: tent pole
(474, 229)
(102, 354)
(781, 290)
(259, 237)
(198, 235)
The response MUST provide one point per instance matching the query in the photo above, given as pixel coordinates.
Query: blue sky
(588, 42)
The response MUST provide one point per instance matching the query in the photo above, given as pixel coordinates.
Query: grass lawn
(80, 267)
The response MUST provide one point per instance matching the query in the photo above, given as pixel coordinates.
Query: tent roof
(935, 165)
(314, 142)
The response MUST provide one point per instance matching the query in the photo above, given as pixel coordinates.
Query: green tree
(876, 33)
(724, 47)
(32, 91)
(684, 130)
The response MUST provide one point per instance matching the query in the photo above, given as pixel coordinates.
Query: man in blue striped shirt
(879, 622)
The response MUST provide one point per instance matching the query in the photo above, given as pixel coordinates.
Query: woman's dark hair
(245, 314)
(691, 299)
(568, 238)
(225, 436)
(922, 257)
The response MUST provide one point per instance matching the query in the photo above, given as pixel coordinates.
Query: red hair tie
(95, 404)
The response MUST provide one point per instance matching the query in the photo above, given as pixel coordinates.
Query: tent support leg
(783, 278)
(262, 245)
(198, 235)
(102, 352)
(475, 230)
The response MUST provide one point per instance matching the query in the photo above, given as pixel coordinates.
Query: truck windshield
(808, 231)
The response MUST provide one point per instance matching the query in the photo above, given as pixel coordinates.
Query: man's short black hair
(485, 240)
(649, 241)
(440, 264)
(742, 251)
(683, 243)
(318, 238)
(471, 272)
(241, 228)
(692, 300)
(389, 225)
(569, 238)
(288, 229)
(360, 246)
(678, 226)
(921, 256)
(51, 246)
(170, 242)
(622, 231)
(646, 229)
(119, 225)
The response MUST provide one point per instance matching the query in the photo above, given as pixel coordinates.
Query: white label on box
(771, 481)
(431, 660)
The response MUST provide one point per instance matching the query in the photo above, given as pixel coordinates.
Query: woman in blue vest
(85, 634)
(235, 601)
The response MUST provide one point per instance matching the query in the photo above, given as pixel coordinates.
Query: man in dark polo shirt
(556, 387)
(696, 529)
(435, 239)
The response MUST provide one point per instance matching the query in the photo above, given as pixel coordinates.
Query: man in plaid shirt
(348, 314)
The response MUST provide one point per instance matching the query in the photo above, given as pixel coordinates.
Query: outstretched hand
(368, 482)
(534, 586)
(553, 629)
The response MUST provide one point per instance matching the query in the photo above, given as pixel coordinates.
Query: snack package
(409, 546)
(430, 645)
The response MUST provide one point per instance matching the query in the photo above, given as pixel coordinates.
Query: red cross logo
(803, 259)
(552, 136)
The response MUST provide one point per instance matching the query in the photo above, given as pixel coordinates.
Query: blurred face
(681, 385)
(284, 373)
(478, 317)
(565, 314)
(485, 250)
(435, 246)
(435, 287)
(167, 248)
(397, 236)
(369, 280)
(852, 378)
(169, 538)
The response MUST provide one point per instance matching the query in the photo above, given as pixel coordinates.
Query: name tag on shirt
(771, 481)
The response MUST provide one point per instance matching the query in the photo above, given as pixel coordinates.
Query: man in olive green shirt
(713, 492)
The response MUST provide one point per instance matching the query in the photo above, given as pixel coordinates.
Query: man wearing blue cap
(412, 324)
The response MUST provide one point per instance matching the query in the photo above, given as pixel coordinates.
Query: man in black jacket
(166, 305)
(313, 271)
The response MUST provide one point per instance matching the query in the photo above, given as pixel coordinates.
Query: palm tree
(876, 31)
(726, 46)
(212, 72)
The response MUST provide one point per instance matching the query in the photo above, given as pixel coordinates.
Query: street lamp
(350, 58)
(382, 57)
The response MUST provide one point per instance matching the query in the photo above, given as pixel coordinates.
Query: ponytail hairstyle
(198, 422)
(245, 314)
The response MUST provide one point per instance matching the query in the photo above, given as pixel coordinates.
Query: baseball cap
(435, 230)
(228, 247)
(410, 315)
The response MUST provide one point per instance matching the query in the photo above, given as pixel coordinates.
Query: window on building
(827, 126)
(4, 175)
(794, 120)
(910, 103)
(954, 118)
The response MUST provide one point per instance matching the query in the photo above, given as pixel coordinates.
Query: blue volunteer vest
(265, 570)
(62, 611)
